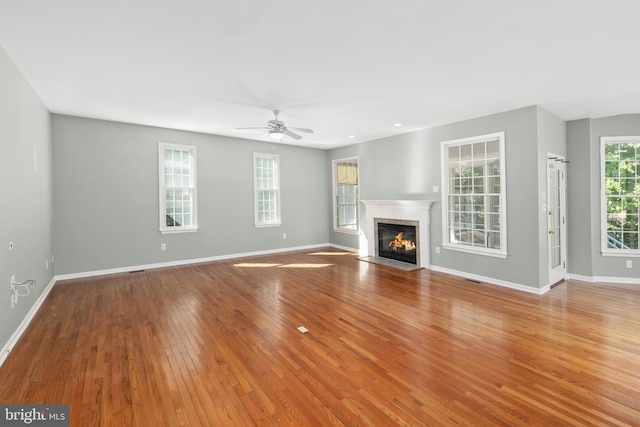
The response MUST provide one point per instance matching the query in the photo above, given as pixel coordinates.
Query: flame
(400, 242)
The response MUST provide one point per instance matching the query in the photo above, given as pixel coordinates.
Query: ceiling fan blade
(291, 134)
(251, 129)
(302, 130)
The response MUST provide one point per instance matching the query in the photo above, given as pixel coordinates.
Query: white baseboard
(606, 279)
(580, 278)
(491, 280)
(625, 280)
(194, 261)
(25, 322)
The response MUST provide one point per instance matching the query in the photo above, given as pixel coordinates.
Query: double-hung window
(345, 194)
(177, 166)
(620, 184)
(266, 189)
(473, 197)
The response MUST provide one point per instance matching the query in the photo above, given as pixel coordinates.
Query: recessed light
(397, 124)
(352, 136)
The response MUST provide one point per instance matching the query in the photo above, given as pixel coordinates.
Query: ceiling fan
(276, 129)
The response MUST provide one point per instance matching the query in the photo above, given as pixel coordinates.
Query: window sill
(475, 251)
(271, 224)
(621, 252)
(182, 230)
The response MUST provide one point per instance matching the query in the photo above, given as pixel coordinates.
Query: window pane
(465, 153)
(493, 149)
(612, 169)
(493, 240)
(627, 151)
(493, 185)
(454, 154)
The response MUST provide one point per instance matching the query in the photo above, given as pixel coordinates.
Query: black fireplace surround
(397, 240)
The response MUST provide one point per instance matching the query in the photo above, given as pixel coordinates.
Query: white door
(556, 219)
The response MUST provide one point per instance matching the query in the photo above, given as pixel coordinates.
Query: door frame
(556, 163)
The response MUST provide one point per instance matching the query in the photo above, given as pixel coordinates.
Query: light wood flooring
(217, 344)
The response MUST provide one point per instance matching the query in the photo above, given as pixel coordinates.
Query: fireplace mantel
(412, 210)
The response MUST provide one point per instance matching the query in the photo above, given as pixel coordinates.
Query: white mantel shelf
(399, 204)
(411, 210)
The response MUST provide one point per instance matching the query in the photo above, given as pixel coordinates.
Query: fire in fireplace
(397, 240)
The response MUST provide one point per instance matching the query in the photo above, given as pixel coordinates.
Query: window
(345, 195)
(620, 165)
(266, 189)
(473, 197)
(177, 188)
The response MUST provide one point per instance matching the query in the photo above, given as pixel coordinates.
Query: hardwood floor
(217, 344)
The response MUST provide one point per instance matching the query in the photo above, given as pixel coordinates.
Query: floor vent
(473, 281)
(136, 271)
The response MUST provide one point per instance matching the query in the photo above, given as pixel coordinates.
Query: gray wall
(552, 138)
(408, 167)
(584, 142)
(580, 193)
(106, 196)
(25, 168)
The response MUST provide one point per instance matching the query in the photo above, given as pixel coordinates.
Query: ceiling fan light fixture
(275, 134)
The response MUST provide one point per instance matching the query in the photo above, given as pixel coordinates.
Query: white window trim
(278, 221)
(334, 172)
(162, 146)
(499, 253)
(605, 250)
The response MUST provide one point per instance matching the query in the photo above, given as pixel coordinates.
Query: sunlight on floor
(267, 265)
(305, 265)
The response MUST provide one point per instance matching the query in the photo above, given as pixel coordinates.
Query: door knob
(552, 232)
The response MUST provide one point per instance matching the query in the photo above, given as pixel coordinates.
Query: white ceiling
(340, 67)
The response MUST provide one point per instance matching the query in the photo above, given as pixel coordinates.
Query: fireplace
(397, 212)
(397, 239)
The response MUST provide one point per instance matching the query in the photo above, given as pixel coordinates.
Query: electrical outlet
(629, 263)
(437, 249)
(10, 245)
(284, 235)
(163, 246)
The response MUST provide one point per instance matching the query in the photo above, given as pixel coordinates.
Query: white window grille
(474, 197)
(346, 195)
(266, 189)
(177, 166)
(620, 195)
